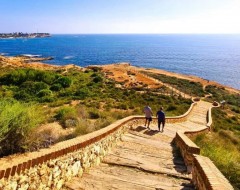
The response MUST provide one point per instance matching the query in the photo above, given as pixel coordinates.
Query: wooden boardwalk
(145, 159)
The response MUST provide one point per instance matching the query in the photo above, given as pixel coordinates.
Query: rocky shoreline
(117, 69)
(23, 61)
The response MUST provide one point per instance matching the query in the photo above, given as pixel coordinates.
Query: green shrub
(19, 76)
(66, 113)
(48, 77)
(83, 93)
(44, 92)
(32, 88)
(66, 93)
(94, 114)
(16, 122)
(97, 79)
(171, 108)
(22, 95)
(56, 87)
(96, 69)
(16, 77)
(40, 86)
(64, 81)
(123, 106)
(94, 75)
(46, 99)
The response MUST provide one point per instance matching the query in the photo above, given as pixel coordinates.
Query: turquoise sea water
(213, 57)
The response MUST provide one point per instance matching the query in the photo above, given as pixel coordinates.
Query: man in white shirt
(148, 115)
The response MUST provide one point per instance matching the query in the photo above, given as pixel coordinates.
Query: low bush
(64, 81)
(56, 87)
(22, 95)
(94, 114)
(33, 87)
(44, 92)
(46, 99)
(66, 113)
(83, 93)
(122, 106)
(19, 76)
(83, 127)
(97, 79)
(17, 120)
(171, 108)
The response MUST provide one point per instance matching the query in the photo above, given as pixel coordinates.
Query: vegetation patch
(99, 103)
(33, 85)
(223, 153)
(183, 85)
(17, 121)
(220, 94)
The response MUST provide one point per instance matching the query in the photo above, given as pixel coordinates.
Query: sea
(211, 57)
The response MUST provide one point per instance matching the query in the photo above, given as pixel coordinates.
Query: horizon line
(131, 33)
(147, 33)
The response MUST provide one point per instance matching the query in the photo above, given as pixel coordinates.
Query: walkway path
(145, 159)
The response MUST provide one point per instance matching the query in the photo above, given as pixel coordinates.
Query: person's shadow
(151, 132)
(147, 131)
(139, 129)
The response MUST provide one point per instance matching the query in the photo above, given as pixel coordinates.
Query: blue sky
(120, 16)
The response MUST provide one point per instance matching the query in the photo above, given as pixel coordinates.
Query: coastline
(162, 52)
(30, 62)
(36, 63)
(193, 78)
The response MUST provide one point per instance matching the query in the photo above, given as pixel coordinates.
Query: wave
(3, 54)
(30, 55)
(68, 57)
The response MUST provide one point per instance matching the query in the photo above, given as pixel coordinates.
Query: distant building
(24, 35)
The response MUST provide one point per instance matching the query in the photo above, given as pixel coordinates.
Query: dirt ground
(132, 76)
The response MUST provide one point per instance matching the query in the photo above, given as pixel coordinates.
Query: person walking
(148, 115)
(161, 118)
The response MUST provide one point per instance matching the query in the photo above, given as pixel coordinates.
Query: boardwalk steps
(124, 155)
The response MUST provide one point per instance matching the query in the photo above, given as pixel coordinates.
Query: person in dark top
(161, 118)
